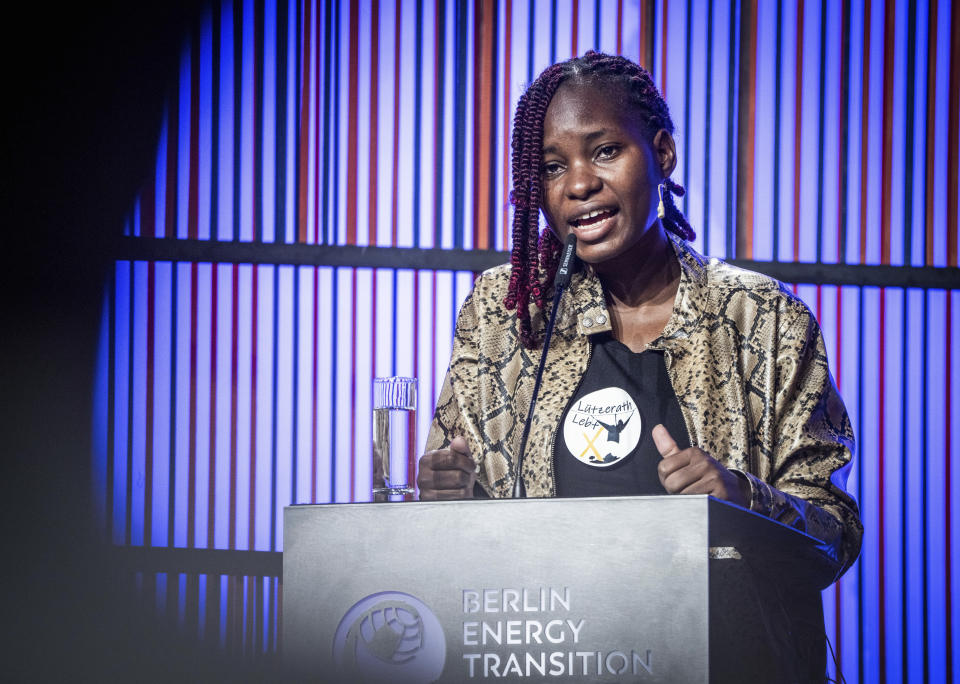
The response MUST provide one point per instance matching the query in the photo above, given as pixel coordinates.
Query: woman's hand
(447, 474)
(694, 471)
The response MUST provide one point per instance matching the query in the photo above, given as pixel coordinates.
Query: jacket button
(587, 322)
(601, 319)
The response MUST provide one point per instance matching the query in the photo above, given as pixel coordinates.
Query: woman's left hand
(694, 471)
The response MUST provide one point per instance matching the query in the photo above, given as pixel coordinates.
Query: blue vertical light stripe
(935, 465)
(730, 176)
(707, 137)
(953, 419)
(272, 103)
(266, 352)
(869, 429)
(301, 392)
(327, 407)
(891, 594)
(363, 360)
(341, 390)
(850, 380)
(924, 627)
(224, 304)
(123, 484)
(137, 415)
(164, 405)
(278, 348)
(204, 420)
(914, 379)
(765, 124)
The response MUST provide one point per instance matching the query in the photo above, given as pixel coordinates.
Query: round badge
(602, 428)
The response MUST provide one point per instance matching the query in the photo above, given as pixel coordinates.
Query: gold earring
(661, 208)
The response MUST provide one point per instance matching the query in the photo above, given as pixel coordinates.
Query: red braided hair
(534, 253)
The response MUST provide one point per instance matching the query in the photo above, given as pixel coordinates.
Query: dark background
(84, 89)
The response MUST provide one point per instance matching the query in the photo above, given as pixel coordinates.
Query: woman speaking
(667, 372)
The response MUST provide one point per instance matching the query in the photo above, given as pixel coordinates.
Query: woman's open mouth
(593, 224)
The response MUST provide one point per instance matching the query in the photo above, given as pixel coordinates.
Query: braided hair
(534, 253)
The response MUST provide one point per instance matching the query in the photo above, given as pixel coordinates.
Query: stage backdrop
(242, 324)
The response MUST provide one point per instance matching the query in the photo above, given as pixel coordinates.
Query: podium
(622, 589)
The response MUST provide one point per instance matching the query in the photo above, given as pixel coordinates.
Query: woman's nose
(582, 181)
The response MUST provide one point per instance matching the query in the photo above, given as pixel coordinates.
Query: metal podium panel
(600, 590)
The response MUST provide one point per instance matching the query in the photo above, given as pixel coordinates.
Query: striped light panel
(822, 132)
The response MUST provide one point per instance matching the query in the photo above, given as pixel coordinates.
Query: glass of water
(394, 437)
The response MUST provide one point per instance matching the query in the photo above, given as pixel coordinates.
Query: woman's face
(600, 173)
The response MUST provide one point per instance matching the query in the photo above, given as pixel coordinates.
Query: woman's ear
(665, 150)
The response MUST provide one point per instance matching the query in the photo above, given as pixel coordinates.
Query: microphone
(568, 261)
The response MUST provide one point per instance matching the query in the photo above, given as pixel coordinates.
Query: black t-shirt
(603, 446)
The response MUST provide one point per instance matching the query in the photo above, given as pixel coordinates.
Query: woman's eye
(607, 151)
(551, 169)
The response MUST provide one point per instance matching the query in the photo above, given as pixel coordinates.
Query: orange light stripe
(889, 29)
(746, 125)
(438, 117)
(316, 134)
(303, 162)
(395, 159)
(486, 14)
(841, 140)
(931, 133)
(575, 22)
(352, 123)
(864, 131)
(954, 124)
(646, 34)
(798, 131)
(374, 118)
(665, 7)
(505, 147)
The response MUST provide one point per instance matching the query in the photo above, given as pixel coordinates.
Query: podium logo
(390, 637)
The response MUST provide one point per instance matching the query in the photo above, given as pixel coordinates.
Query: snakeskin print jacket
(747, 362)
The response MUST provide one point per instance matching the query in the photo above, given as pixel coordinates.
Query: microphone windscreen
(568, 263)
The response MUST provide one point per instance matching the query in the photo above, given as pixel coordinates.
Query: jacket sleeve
(813, 450)
(455, 413)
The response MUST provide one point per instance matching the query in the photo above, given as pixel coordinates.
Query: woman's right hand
(447, 474)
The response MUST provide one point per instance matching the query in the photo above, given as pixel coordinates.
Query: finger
(678, 481)
(668, 465)
(664, 441)
(459, 444)
(701, 486)
(446, 494)
(446, 459)
(679, 471)
(450, 479)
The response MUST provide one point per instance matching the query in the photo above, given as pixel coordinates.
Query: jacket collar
(589, 312)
